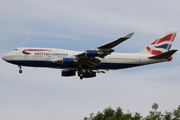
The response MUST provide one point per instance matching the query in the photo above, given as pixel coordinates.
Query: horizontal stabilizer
(163, 55)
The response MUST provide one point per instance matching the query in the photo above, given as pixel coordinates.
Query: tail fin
(161, 45)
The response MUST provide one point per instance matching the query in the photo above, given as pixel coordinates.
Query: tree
(167, 115)
(90, 118)
(110, 114)
(127, 116)
(85, 118)
(137, 116)
(118, 113)
(154, 115)
(155, 106)
(99, 116)
(176, 114)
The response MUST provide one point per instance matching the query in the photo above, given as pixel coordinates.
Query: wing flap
(101, 70)
(91, 62)
(57, 61)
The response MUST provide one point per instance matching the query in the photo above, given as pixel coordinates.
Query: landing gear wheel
(81, 76)
(80, 71)
(20, 71)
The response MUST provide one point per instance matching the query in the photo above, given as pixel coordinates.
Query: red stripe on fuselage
(35, 50)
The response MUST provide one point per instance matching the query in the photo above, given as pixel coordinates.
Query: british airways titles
(51, 54)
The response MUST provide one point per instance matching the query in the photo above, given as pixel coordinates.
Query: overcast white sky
(80, 25)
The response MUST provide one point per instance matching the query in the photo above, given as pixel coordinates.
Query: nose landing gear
(20, 71)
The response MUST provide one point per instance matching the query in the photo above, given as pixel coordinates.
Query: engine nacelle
(67, 73)
(89, 74)
(92, 53)
(67, 61)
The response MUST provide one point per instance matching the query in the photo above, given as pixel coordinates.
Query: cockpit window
(15, 49)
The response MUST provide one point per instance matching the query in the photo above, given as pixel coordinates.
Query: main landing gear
(20, 71)
(80, 72)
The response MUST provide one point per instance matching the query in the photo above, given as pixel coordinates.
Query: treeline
(118, 114)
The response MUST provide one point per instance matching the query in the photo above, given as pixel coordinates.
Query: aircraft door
(139, 59)
(25, 56)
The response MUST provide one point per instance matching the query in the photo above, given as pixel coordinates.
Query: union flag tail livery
(162, 44)
(86, 64)
(160, 47)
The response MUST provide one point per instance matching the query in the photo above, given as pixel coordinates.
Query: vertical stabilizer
(161, 45)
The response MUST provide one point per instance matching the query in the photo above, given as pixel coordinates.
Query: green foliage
(176, 114)
(154, 114)
(118, 113)
(155, 106)
(167, 115)
(108, 113)
(99, 116)
(137, 116)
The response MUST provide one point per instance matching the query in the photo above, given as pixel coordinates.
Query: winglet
(129, 35)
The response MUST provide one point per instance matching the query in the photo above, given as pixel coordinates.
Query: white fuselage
(44, 57)
(93, 61)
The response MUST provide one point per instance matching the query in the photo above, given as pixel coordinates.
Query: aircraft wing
(116, 42)
(107, 48)
(90, 57)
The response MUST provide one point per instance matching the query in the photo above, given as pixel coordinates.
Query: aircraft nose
(4, 57)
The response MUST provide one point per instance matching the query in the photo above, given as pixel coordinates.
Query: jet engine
(66, 61)
(92, 53)
(68, 73)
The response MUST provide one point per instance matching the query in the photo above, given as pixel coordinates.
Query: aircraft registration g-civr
(97, 60)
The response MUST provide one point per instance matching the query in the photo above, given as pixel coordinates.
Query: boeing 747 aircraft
(93, 61)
